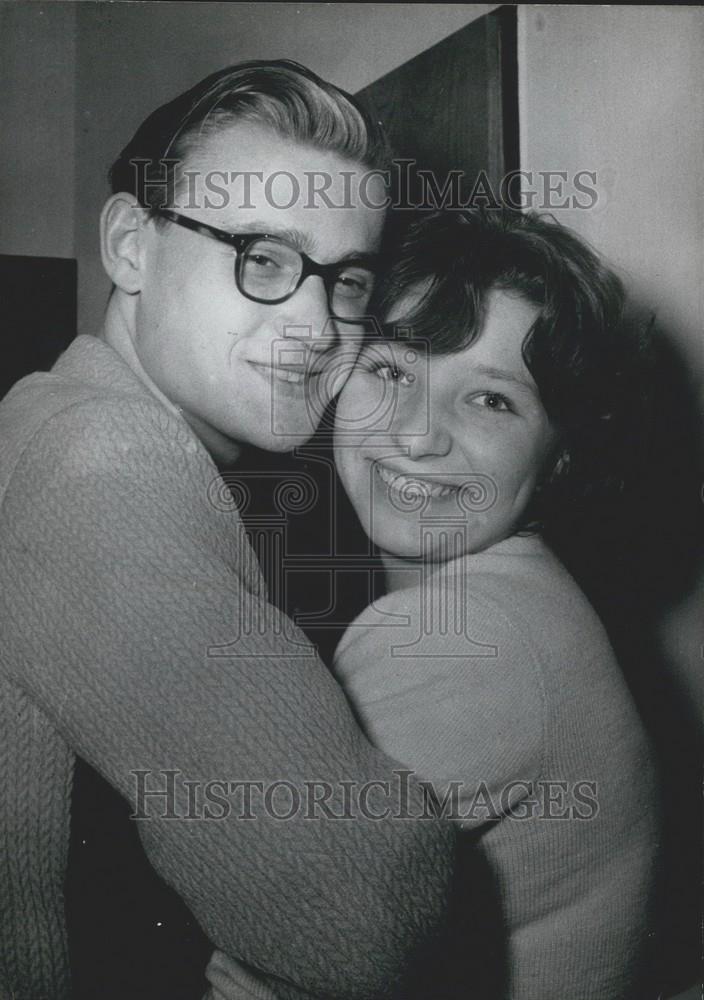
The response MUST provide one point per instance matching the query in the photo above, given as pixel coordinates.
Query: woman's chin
(406, 553)
(404, 536)
(405, 543)
(429, 547)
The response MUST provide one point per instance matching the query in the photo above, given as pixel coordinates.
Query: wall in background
(618, 90)
(132, 57)
(611, 89)
(37, 166)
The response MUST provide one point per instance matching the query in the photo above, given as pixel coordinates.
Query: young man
(137, 633)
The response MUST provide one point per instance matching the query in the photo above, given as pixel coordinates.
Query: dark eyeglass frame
(242, 241)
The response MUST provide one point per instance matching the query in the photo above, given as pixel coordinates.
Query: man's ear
(121, 231)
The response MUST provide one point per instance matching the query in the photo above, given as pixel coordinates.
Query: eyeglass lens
(270, 270)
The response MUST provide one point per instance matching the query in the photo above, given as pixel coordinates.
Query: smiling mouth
(290, 375)
(410, 486)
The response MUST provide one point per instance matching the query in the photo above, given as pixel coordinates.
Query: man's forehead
(245, 178)
(249, 148)
(243, 149)
(312, 240)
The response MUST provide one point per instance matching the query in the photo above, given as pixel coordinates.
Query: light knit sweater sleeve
(230, 980)
(443, 681)
(132, 620)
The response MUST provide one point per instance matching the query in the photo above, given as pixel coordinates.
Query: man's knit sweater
(496, 673)
(137, 634)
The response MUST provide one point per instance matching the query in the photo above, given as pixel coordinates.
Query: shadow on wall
(641, 557)
(38, 310)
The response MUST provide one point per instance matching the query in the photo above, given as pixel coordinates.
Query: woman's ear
(121, 226)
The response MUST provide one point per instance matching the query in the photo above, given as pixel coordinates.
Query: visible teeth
(411, 486)
(287, 376)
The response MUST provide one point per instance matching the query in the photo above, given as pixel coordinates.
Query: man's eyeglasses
(270, 271)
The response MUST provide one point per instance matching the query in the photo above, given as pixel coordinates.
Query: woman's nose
(420, 427)
(435, 442)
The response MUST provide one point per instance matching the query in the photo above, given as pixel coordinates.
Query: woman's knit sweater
(496, 674)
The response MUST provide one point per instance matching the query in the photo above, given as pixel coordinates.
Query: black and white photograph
(351, 501)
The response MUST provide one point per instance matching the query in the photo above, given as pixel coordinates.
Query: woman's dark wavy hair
(578, 350)
(280, 95)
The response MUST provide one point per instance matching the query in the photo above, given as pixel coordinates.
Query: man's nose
(306, 316)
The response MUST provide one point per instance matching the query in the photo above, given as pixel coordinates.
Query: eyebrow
(505, 376)
(298, 239)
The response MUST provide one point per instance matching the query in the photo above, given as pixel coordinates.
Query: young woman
(462, 435)
(460, 438)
